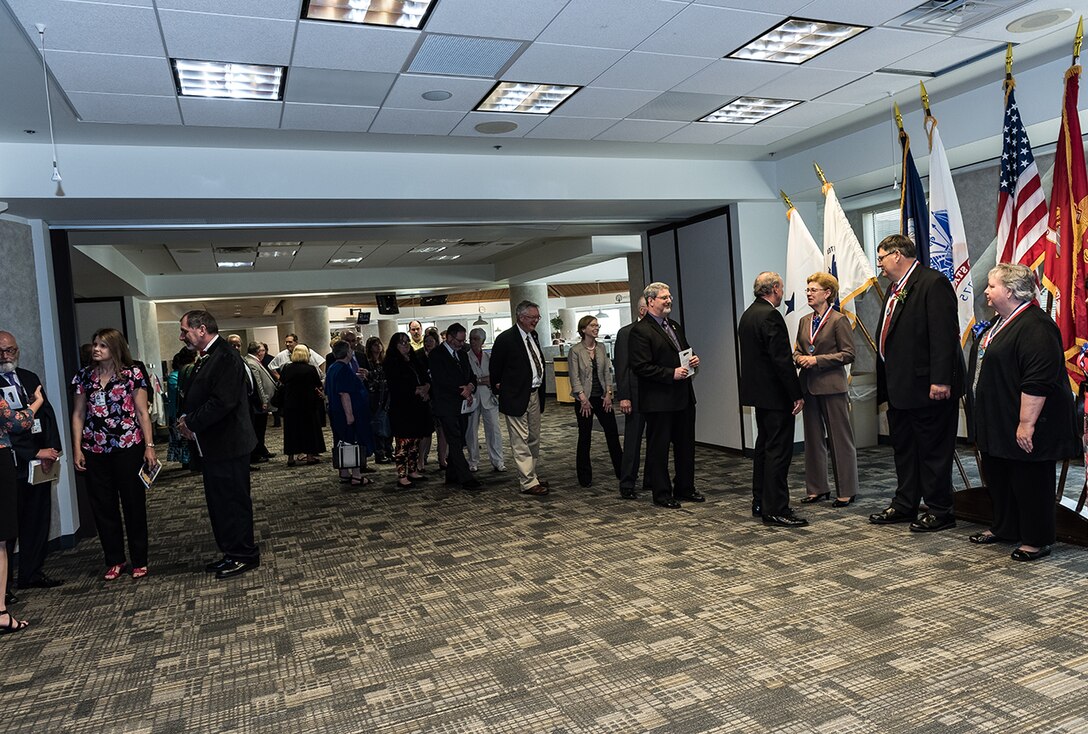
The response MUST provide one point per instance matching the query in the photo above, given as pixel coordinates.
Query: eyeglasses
(880, 258)
(9, 350)
(815, 290)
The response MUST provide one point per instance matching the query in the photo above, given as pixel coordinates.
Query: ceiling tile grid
(870, 12)
(763, 135)
(275, 9)
(463, 55)
(336, 86)
(949, 52)
(680, 106)
(548, 63)
(80, 26)
(805, 83)
(703, 133)
(597, 102)
(619, 24)
(129, 109)
(702, 30)
(874, 49)
(465, 93)
(334, 118)
(352, 47)
(871, 88)
(416, 122)
(730, 76)
(640, 131)
(656, 72)
(571, 128)
(234, 38)
(230, 113)
(111, 73)
(524, 123)
(494, 18)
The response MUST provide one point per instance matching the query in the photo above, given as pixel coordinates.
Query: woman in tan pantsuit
(825, 345)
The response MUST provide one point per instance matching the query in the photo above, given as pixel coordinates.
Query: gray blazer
(834, 350)
(581, 366)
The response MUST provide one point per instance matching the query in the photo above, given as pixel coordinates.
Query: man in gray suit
(633, 423)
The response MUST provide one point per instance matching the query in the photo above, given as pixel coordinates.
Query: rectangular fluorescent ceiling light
(345, 260)
(277, 253)
(236, 264)
(527, 98)
(399, 13)
(795, 41)
(428, 248)
(228, 81)
(749, 110)
(443, 257)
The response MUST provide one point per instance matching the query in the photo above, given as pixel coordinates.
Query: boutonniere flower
(978, 328)
(901, 296)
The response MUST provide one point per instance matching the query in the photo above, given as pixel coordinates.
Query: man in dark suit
(217, 421)
(517, 379)
(769, 383)
(452, 384)
(627, 395)
(920, 375)
(42, 442)
(666, 399)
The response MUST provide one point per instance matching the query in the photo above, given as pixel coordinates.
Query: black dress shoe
(270, 456)
(983, 538)
(10, 598)
(667, 502)
(785, 521)
(693, 497)
(809, 499)
(757, 511)
(41, 581)
(471, 485)
(890, 516)
(1024, 555)
(628, 494)
(930, 523)
(216, 566)
(841, 503)
(236, 568)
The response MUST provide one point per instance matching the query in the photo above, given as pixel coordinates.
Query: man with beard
(42, 442)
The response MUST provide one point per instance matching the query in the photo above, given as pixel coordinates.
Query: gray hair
(653, 289)
(340, 349)
(765, 283)
(1019, 279)
(478, 333)
(197, 318)
(525, 306)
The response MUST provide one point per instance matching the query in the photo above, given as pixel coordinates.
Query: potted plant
(557, 327)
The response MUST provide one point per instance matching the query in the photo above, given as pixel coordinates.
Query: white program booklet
(685, 359)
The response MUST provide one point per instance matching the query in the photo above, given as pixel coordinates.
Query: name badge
(98, 398)
(37, 427)
(11, 397)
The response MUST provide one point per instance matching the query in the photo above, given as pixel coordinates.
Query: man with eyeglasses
(42, 442)
(920, 375)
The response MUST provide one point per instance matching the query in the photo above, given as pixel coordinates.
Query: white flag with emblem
(843, 256)
(803, 258)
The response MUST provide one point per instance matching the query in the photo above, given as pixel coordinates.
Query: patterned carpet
(440, 611)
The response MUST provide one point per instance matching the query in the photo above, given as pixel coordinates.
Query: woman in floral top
(111, 433)
(11, 421)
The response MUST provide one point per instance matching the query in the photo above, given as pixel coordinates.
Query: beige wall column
(386, 329)
(538, 294)
(312, 328)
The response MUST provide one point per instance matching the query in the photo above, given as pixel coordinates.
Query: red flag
(1064, 267)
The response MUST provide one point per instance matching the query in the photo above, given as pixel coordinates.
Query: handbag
(276, 401)
(347, 456)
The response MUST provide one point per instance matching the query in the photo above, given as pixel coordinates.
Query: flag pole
(786, 201)
(925, 99)
(1077, 41)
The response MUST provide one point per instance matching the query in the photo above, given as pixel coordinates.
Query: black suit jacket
(654, 358)
(922, 347)
(448, 374)
(512, 373)
(217, 406)
(768, 378)
(626, 380)
(25, 443)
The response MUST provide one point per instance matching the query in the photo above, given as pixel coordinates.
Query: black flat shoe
(667, 502)
(841, 503)
(785, 521)
(983, 538)
(1023, 555)
(890, 516)
(628, 494)
(930, 523)
(693, 497)
(236, 568)
(815, 498)
(217, 566)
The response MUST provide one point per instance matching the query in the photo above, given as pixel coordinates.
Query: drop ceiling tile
(704, 133)
(493, 18)
(805, 83)
(702, 30)
(276, 9)
(467, 93)
(609, 23)
(571, 128)
(811, 113)
(782, 7)
(680, 106)
(995, 28)
(950, 52)
(416, 122)
(80, 26)
(762, 135)
(870, 12)
(658, 72)
(230, 112)
(730, 76)
(110, 73)
(875, 49)
(235, 38)
(352, 47)
(596, 102)
(131, 109)
(639, 131)
(871, 88)
(336, 86)
(525, 123)
(338, 118)
(548, 63)
(463, 55)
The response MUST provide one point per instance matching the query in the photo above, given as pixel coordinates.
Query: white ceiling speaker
(1039, 21)
(497, 127)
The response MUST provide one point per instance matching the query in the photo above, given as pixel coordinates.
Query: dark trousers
(923, 440)
(1022, 495)
(677, 428)
(454, 427)
(260, 427)
(634, 425)
(35, 514)
(112, 477)
(771, 463)
(230, 507)
(607, 420)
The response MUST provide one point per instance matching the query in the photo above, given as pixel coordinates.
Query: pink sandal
(139, 572)
(114, 572)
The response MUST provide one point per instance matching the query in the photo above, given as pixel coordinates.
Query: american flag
(1021, 204)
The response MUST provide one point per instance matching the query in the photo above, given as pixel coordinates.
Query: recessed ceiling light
(400, 13)
(224, 80)
(277, 253)
(749, 110)
(235, 264)
(428, 248)
(436, 95)
(795, 41)
(536, 99)
(443, 257)
(496, 127)
(345, 260)
(1039, 21)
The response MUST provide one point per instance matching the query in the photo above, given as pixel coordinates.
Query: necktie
(672, 334)
(888, 318)
(538, 369)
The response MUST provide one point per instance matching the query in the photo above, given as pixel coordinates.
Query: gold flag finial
(1008, 60)
(820, 173)
(898, 116)
(925, 98)
(786, 199)
(1079, 38)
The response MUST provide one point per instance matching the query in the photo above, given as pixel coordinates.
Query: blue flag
(913, 212)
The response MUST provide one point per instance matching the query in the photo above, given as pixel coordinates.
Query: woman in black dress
(409, 406)
(1024, 418)
(303, 409)
(11, 421)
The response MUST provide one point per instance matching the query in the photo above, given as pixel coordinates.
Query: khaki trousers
(524, 432)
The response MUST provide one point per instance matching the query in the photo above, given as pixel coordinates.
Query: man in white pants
(488, 409)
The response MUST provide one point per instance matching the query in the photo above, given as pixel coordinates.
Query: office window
(610, 321)
(499, 324)
(878, 225)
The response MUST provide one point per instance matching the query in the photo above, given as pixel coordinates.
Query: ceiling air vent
(952, 16)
